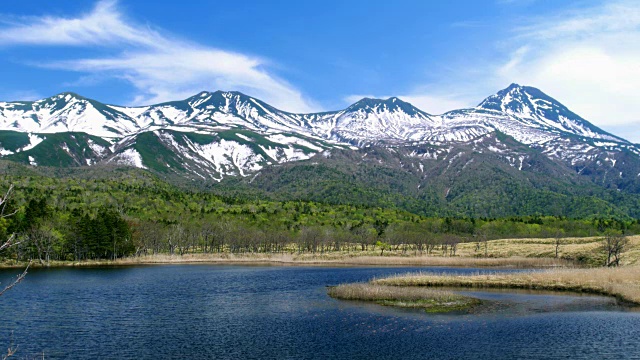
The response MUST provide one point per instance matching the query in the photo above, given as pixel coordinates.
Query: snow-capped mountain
(214, 134)
(217, 109)
(66, 112)
(536, 109)
(523, 112)
(370, 121)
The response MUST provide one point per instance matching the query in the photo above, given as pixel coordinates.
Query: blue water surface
(271, 312)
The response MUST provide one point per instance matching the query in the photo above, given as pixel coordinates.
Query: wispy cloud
(585, 23)
(586, 58)
(104, 26)
(25, 95)
(161, 67)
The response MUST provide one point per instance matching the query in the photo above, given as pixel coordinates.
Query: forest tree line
(80, 219)
(45, 234)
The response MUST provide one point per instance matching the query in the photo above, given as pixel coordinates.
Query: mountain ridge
(236, 103)
(214, 135)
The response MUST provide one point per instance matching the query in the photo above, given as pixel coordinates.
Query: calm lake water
(268, 312)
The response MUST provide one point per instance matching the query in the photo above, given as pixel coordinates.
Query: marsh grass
(585, 250)
(622, 282)
(431, 300)
(354, 259)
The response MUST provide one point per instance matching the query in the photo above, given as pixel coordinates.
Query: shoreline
(306, 259)
(622, 283)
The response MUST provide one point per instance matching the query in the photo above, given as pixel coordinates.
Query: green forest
(122, 212)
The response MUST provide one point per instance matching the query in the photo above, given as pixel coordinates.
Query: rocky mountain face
(216, 135)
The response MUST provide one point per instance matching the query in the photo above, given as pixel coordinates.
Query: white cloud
(587, 59)
(23, 95)
(160, 67)
(104, 26)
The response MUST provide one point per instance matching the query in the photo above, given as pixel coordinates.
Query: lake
(273, 312)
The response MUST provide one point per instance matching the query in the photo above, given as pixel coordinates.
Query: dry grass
(412, 297)
(519, 262)
(587, 249)
(622, 282)
(311, 259)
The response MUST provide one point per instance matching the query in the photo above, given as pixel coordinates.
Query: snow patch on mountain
(129, 157)
(284, 139)
(97, 149)
(229, 157)
(34, 140)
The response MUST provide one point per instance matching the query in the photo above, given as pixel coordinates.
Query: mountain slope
(370, 121)
(66, 112)
(462, 180)
(534, 108)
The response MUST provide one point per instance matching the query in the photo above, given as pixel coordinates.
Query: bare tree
(175, 238)
(42, 238)
(613, 245)
(559, 239)
(11, 350)
(483, 238)
(453, 242)
(365, 235)
(10, 241)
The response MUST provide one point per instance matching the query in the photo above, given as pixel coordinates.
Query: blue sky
(308, 56)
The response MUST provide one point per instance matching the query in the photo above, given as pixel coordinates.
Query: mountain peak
(62, 100)
(68, 95)
(507, 98)
(514, 86)
(218, 93)
(533, 107)
(391, 104)
(522, 100)
(215, 98)
(203, 93)
(231, 93)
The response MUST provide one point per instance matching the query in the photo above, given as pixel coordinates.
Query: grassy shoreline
(622, 283)
(431, 300)
(307, 259)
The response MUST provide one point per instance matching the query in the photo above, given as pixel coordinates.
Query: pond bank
(309, 260)
(622, 283)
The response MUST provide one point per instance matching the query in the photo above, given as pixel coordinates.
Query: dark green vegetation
(470, 184)
(61, 149)
(110, 212)
(458, 180)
